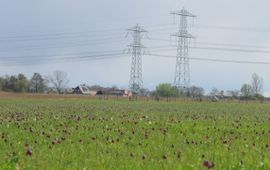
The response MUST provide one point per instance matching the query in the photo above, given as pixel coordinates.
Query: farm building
(115, 92)
(83, 89)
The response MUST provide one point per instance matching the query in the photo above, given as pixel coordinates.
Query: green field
(109, 134)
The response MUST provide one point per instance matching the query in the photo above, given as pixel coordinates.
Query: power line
(216, 44)
(66, 45)
(157, 48)
(233, 50)
(115, 54)
(76, 33)
(232, 45)
(216, 60)
(220, 27)
(234, 28)
(54, 38)
(84, 43)
(95, 30)
(37, 57)
(157, 27)
(65, 59)
(220, 49)
(166, 48)
(83, 34)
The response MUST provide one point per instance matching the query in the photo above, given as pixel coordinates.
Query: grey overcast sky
(31, 29)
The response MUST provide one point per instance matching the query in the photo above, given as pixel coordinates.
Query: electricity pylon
(136, 49)
(182, 75)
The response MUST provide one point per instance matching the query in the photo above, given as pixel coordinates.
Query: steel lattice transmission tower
(182, 75)
(136, 49)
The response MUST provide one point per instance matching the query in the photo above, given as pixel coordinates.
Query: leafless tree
(59, 80)
(37, 83)
(196, 92)
(257, 84)
(144, 92)
(246, 90)
(233, 93)
(214, 92)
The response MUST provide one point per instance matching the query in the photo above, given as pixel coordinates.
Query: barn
(84, 90)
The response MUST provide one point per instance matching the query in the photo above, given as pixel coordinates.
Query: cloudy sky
(35, 36)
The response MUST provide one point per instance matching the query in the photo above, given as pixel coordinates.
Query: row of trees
(168, 90)
(17, 83)
(254, 90)
(58, 82)
(36, 84)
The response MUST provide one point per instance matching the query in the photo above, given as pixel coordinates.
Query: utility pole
(182, 75)
(136, 49)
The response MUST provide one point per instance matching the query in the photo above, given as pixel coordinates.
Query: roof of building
(83, 89)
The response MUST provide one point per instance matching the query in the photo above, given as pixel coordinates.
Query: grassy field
(74, 133)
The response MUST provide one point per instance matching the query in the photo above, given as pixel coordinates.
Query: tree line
(248, 91)
(58, 82)
(36, 84)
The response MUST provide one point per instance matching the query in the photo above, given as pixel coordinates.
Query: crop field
(74, 133)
